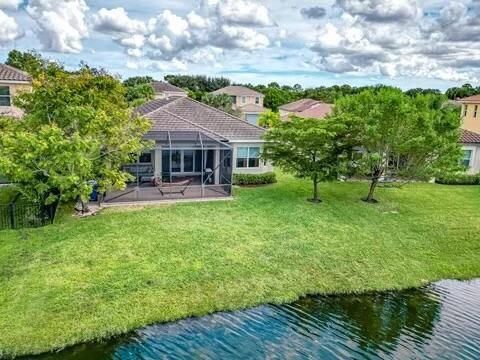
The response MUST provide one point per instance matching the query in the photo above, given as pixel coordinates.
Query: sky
(405, 43)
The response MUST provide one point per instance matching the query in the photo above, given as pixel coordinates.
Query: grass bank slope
(87, 279)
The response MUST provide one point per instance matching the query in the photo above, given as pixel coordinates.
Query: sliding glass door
(182, 161)
(188, 161)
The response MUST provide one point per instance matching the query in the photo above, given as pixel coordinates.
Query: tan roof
(307, 108)
(161, 86)
(471, 99)
(153, 105)
(252, 108)
(470, 137)
(299, 105)
(9, 73)
(317, 112)
(237, 91)
(185, 114)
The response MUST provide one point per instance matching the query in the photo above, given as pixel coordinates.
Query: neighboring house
(166, 90)
(471, 113)
(471, 150)
(305, 108)
(12, 81)
(247, 101)
(197, 149)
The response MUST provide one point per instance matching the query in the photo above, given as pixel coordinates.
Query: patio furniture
(174, 187)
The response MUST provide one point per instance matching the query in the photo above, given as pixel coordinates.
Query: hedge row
(254, 179)
(459, 179)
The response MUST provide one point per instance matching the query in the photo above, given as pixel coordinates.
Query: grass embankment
(86, 279)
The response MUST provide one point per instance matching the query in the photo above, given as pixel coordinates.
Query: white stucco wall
(475, 160)
(264, 166)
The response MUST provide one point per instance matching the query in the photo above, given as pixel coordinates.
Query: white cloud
(61, 24)
(209, 55)
(9, 30)
(132, 65)
(381, 10)
(168, 36)
(135, 53)
(134, 42)
(117, 21)
(241, 38)
(397, 39)
(10, 4)
(243, 12)
(173, 65)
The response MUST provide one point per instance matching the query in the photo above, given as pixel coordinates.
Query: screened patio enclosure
(183, 165)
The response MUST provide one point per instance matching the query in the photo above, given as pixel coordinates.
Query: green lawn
(87, 279)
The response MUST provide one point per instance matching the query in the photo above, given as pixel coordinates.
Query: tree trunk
(315, 198)
(375, 178)
(81, 206)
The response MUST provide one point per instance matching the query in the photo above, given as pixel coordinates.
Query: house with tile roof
(471, 150)
(247, 101)
(471, 113)
(196, 151)
(165, 90)
(305, 108)
(12, 81)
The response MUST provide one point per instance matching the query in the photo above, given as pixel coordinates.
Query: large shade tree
(139, 90)
(308, 148)
(77, 127)
(394, 134)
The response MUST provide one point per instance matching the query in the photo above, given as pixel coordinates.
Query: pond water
(441, 321)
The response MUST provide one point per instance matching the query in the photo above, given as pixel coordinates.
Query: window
(188, 160)
(145, 158)
(465, 109)
(5, 96)
(234, 99)
(183, 161)
(248, 157)
(475, 112)
(257, 100)
(467, 158)
(244, 99)
(176, 161)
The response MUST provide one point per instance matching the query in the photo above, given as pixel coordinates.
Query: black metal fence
(18, 215)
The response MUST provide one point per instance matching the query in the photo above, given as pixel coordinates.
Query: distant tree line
(277, 95)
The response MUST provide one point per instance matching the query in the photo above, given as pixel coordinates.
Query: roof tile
(161, 86)
(185, 114)
(237, 91)
(153, 105)
(470, 137)
(9, 73)
(299, 105)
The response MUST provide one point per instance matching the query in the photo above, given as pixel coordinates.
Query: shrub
(254, 179)
(459, 179)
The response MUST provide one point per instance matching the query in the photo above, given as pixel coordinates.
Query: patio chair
(175, 187)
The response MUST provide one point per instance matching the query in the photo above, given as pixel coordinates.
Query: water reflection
(440, 321)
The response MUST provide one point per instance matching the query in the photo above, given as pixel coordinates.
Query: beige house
(471, 132)
(471, 151)
(197, 149)
(471, 113)
(247, 101)
(305, 108)
(12, 81)
(165, 90)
